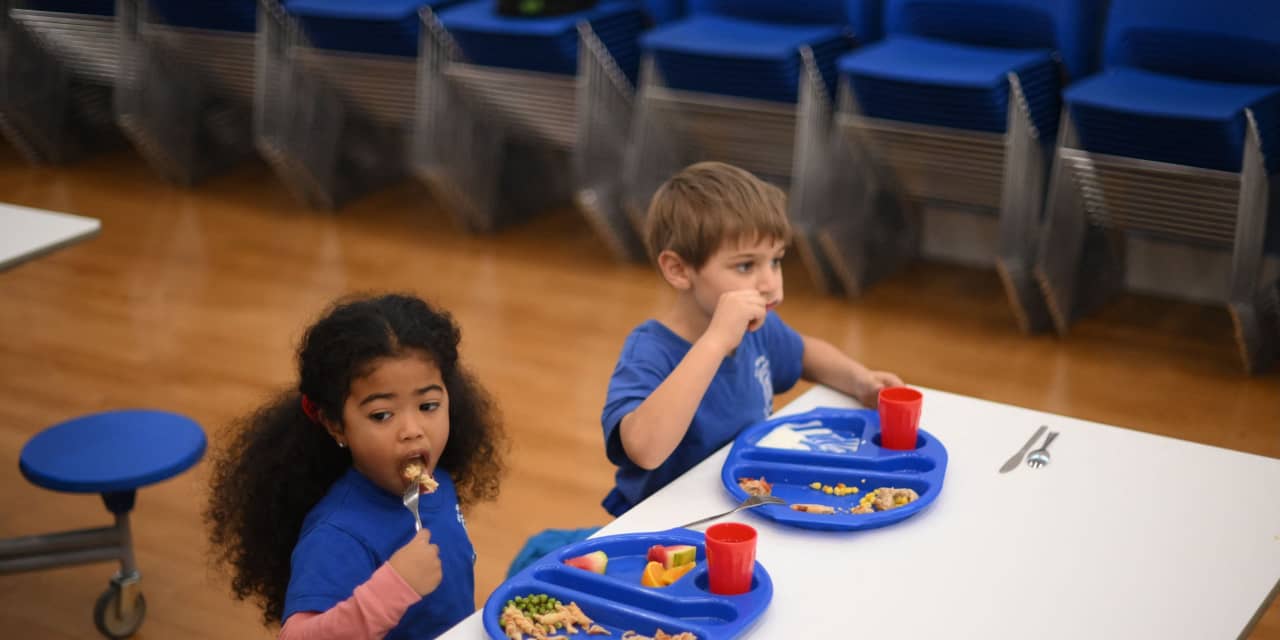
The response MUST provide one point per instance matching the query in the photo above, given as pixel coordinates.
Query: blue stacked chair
(239, 16)
(730, 81)
(751, 49)
(388, 27)
(185, 99)
(113, 454)
(955, 111)
(1165, 166)
(58, 65)
(522, 112)
(335, 97)
(548, 44)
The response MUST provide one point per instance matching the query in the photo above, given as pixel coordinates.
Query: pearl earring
(342, 445)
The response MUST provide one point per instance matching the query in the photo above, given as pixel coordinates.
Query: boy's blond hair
(707, 204)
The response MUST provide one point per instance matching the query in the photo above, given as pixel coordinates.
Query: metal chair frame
(921, 166)
(330, 123)
(1098, 203)
(183, 96)
(497, 144)
(56, 74)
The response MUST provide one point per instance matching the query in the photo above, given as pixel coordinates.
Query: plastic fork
(751, 501)
(410, 500)
(1040, 457)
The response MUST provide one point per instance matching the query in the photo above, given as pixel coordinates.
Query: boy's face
(748, 263)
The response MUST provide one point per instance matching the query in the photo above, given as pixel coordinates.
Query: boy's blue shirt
(356, 527)
(768, 361)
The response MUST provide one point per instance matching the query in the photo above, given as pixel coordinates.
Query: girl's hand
(737, 312)
(418, 562)
(870, 384)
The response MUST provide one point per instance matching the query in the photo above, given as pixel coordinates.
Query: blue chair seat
(116, 451)
(1199, 123)
(732, 56)
(218, 15)
(547, 44)
(387, 27)
(952, 85)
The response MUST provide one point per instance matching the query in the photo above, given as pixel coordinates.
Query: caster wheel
(107, 614)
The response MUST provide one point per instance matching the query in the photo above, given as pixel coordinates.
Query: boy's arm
(827, 365)
(651, 432)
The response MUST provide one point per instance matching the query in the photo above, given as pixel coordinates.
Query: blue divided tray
(617, 602)
(839, 445)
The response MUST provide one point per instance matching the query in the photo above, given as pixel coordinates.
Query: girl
(306, 507)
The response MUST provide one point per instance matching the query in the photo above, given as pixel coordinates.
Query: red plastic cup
(899, 417)
(731, 558)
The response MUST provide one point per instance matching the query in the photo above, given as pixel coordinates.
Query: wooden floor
(193, 301)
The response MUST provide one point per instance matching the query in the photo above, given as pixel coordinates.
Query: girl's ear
(675, 270)
(334, 429)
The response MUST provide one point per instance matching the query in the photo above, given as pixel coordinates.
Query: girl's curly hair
(276, 464)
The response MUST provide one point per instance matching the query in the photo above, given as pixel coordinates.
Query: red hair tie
(309, 408)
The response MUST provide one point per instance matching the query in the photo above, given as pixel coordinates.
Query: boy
(690, 380)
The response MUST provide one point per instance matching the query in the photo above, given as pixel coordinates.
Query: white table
(26, 233)
(1123, 535)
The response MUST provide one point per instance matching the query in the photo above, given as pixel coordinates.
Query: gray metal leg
(1021, 204)
(604, 105)
(1250, 301)
(67, 548)
(1077, 265)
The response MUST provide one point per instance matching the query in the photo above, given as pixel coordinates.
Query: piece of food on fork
(415, 470)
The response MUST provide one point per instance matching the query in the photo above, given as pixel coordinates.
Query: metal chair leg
(871, 229)
(1078, 266)
(604, 106)
(1249, 300)
(1021, 204)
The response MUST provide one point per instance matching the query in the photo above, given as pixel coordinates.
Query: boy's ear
(675, 270)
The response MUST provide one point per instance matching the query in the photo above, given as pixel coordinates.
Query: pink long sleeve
(373, 609)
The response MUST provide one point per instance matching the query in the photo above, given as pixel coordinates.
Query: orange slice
(652, 576)
(675, 573)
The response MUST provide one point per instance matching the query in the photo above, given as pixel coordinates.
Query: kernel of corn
(826, 489)
(815, 485)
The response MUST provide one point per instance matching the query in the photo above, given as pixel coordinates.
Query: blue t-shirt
(768, 361)
(356, 527)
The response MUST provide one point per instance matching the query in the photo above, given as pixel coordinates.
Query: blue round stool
(112, 454)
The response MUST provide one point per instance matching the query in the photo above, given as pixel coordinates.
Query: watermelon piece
(671, 556)
(596, 561)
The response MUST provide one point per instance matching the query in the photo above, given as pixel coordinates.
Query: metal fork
(751, 501)
(1040, 457)
(410, 500)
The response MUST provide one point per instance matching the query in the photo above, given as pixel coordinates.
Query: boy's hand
(870, 384)
(737, 312)
(418, 562)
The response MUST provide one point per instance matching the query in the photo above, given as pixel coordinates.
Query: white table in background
(26, 233)
(1123, 535)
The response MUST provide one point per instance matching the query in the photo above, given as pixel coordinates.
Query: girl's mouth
(414, 469)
